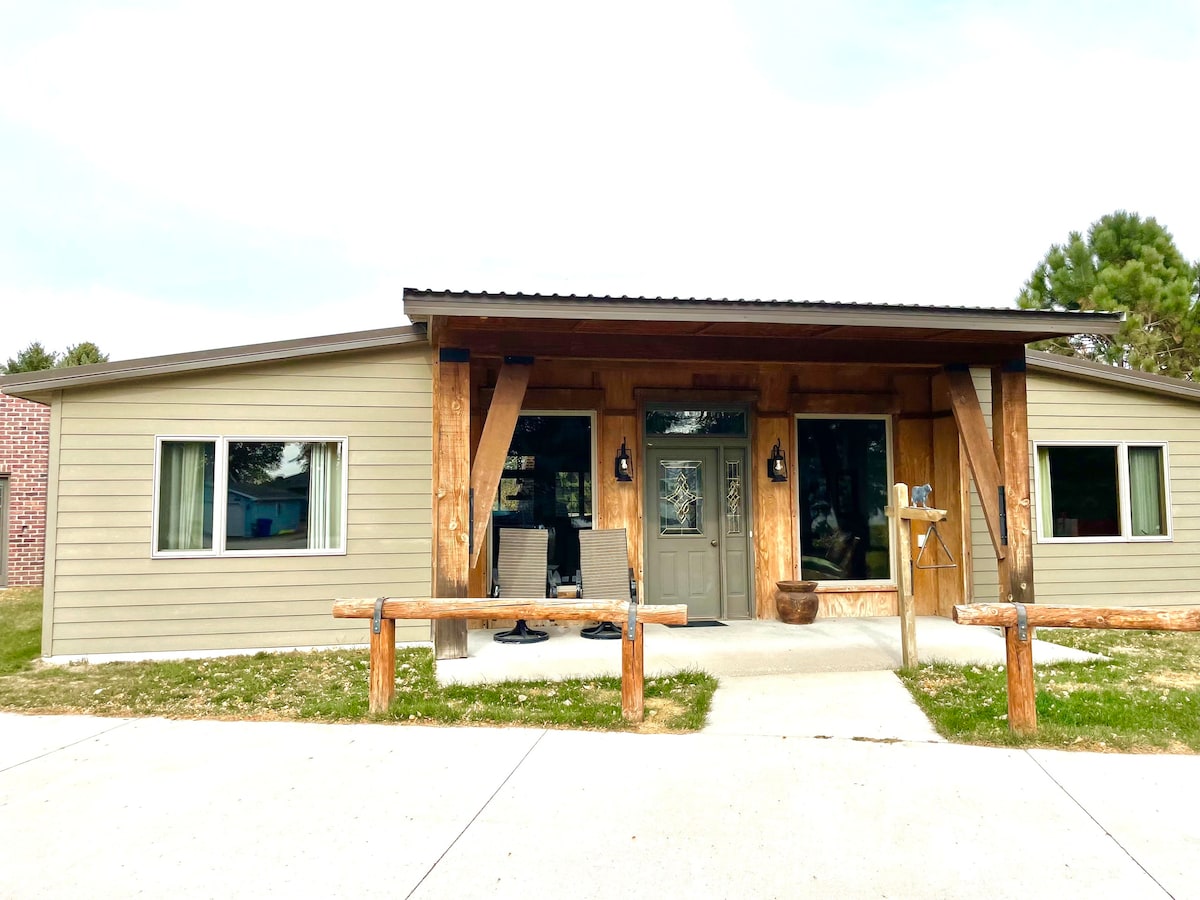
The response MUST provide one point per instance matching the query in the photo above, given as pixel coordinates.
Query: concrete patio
(739, 649)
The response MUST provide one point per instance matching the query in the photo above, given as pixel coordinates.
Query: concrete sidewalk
(109, 808)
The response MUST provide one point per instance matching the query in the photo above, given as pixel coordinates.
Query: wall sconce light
(777, 464)
(623, 465)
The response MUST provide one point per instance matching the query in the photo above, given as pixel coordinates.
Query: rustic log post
(383, 667)
(1022, 695)
(451, 492)
(633, 674)
(904, 579)
(1010, 436)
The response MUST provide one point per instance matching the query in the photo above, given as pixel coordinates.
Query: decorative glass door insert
(680, 496)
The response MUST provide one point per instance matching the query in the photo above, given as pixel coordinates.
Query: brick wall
(25, 459)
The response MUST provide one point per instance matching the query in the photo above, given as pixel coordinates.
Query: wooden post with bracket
(903, 514)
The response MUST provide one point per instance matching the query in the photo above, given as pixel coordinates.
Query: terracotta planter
(797, 602)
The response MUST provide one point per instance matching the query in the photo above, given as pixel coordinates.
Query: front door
(682, 526)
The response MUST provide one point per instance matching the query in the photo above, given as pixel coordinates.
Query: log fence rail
(1018, 620)
(631, 616)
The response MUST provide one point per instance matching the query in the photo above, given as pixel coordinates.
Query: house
(739, 443)
(24, 466)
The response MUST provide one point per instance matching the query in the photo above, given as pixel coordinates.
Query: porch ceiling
(636, 328)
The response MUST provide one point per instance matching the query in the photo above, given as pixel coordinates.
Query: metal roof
(424, 302)
(21, 384)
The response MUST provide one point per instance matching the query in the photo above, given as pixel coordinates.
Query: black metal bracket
(1003, 516)
(377, 619)
(631, 630)
(1022, 622)
(471, 521)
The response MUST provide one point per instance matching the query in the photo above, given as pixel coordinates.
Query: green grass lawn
(329, 686)
(1144, 697)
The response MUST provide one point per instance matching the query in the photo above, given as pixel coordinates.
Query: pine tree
(84, 353)
(1128, 265)
(33, 358)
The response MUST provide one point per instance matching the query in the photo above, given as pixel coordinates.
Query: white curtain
(1045, 501)
(1146, 493)
(181, 496)
(325, 496)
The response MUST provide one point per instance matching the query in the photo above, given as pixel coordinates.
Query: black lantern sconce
(777, 464)
(623, 465)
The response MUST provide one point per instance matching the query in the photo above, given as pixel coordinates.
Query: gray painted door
(683, 530)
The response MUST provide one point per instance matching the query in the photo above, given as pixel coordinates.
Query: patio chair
(521, 573)
(606, 574)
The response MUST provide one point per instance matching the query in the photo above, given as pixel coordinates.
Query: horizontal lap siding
(1118, 573)
(111, 596)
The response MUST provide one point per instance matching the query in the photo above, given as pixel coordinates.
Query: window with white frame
(1113, 491)
(218, 496)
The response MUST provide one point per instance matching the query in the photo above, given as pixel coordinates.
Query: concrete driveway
(113, 808)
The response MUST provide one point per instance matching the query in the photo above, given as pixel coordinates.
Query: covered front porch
(738, 443)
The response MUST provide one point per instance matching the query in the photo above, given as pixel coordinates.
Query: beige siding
(1118, 573)
(106, 594)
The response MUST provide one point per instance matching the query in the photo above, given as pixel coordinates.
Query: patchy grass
(1144, 698)
(328, 686)
(20, 628)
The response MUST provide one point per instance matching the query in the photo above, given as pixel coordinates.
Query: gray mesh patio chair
(521, 573)
(606, 574)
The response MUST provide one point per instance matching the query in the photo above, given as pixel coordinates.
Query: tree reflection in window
(842, 466)
(729, 422)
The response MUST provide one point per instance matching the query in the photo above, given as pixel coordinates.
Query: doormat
(700, 623)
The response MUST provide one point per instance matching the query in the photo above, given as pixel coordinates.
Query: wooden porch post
(1010, 433)
(451, 495)
(1002, 467)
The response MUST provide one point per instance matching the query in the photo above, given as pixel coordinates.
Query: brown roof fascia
(422, 303)
(23, 384)
(1087, 370)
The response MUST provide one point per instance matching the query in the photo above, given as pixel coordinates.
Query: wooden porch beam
(498, 429)
(451, 503)
(968, 414)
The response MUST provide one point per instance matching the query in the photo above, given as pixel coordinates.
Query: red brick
(25, 460)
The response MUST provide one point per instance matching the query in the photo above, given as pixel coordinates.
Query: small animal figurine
(920, 494)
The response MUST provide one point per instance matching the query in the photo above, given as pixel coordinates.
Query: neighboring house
(738, 443)
(24, 464)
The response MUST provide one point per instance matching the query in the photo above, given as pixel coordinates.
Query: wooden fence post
(1022, 698)
(904, 579)
(383, 666)
(633, 674)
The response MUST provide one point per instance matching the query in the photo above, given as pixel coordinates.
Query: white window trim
(221, 499)
(1124, 508)
(861, 583)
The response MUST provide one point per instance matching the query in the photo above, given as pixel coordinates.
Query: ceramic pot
(797, 602)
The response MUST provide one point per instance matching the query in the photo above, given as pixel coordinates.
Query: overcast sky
(177, 176)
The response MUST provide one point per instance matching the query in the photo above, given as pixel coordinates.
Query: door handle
(713, 542)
